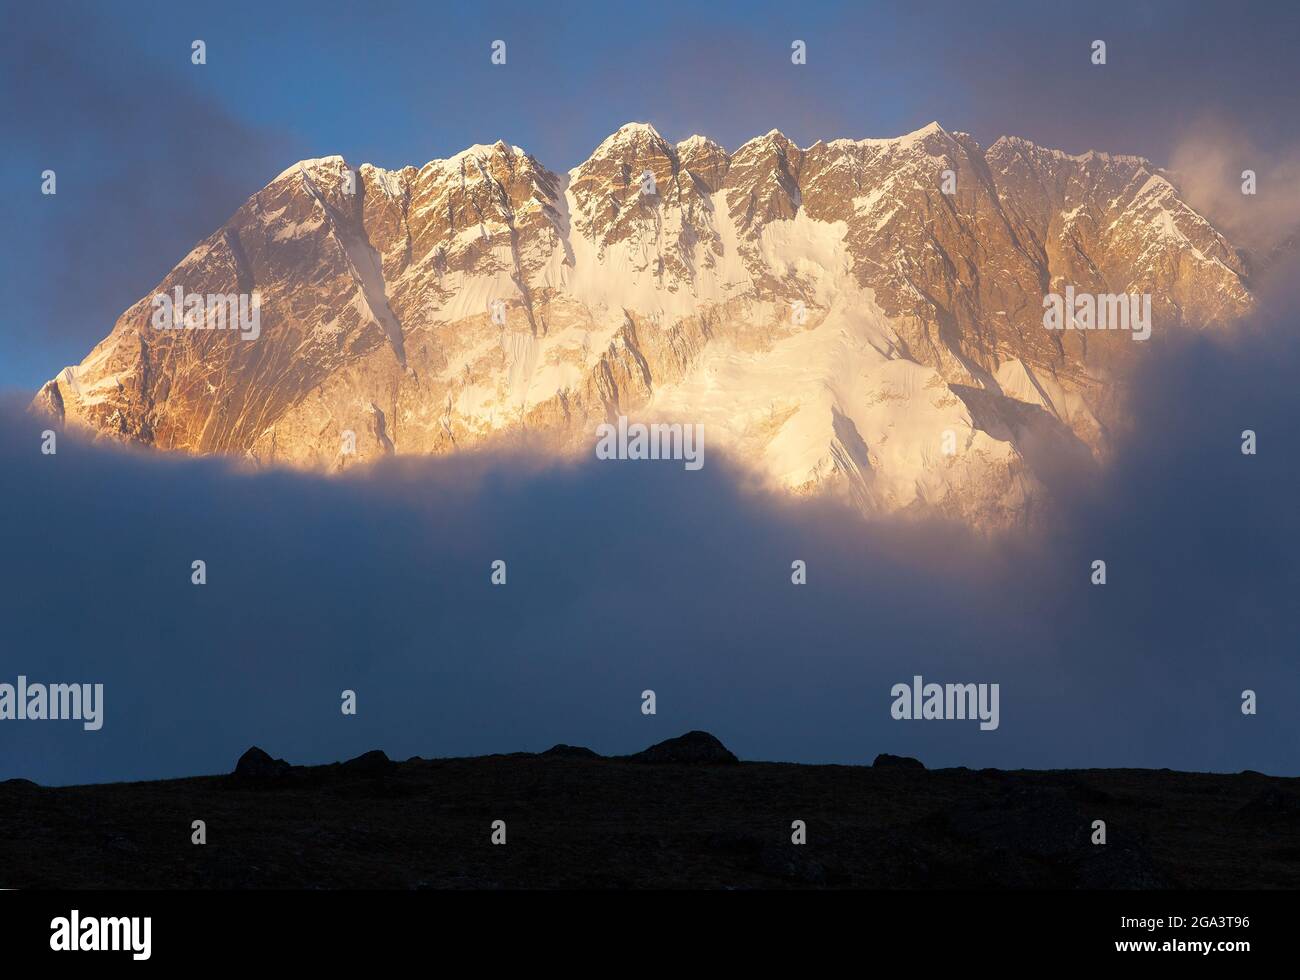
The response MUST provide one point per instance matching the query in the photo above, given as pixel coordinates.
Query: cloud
(1209, 162)
(625, 576)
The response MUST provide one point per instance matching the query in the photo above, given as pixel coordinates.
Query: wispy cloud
(1211, 161)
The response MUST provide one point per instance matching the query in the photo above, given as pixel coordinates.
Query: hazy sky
(153, 153)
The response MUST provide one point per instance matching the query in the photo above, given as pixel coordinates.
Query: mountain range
(863, 316)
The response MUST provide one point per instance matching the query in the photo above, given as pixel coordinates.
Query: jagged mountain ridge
(828, 312)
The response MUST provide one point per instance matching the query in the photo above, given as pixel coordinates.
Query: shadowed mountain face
(861, 314)
(682, 813)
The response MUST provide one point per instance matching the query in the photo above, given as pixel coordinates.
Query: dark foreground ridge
(683, 813)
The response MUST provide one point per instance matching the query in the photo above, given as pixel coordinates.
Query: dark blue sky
(154, 153)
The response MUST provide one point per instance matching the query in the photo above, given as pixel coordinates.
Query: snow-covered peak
(633, 133)
(697, 142)
(772, 138)
(1029, 147)
(929, 129)
(921, 135)
(314, 163)
(500, 147)
(907, 140)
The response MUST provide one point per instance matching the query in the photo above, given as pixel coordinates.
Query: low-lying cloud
(627, 576)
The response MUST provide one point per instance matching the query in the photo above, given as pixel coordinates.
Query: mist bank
(627, 576)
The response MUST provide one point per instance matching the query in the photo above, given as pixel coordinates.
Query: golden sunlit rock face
(863, 315)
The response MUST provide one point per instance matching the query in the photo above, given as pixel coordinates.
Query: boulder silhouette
(887, 761)
(256, 766)
(376, 760)
(563, 751)
(693, 748)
